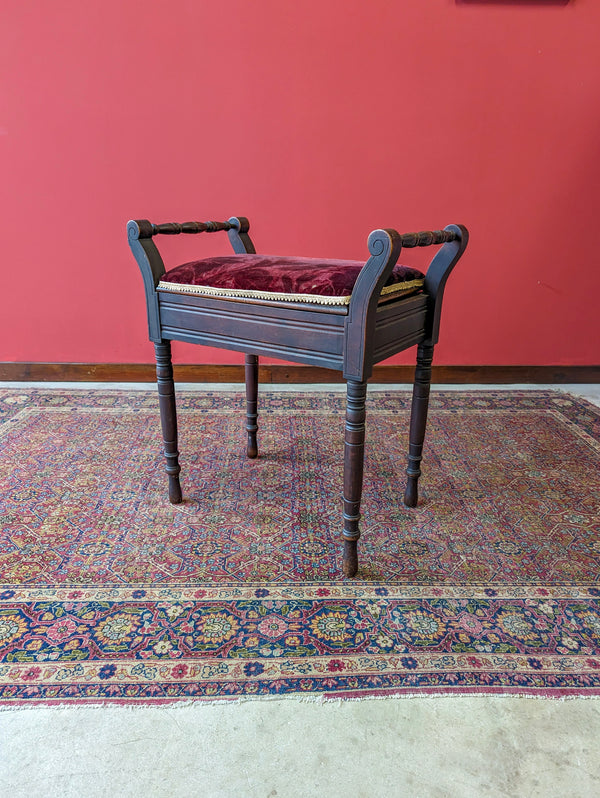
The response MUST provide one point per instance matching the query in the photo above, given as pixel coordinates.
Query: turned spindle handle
(174, 229)
(427, 238)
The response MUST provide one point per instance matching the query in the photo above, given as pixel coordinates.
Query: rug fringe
(319, 700)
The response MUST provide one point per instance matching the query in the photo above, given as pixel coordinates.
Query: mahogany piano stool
(342, 315)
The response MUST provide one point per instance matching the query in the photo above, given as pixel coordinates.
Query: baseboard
(145, 372)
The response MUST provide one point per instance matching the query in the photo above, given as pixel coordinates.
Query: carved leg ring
(168, 417)
(418, 422)
(251, 372)
(353, 471)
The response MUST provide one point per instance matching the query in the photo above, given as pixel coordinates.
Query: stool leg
(354, 450)
(251, 372)
(418, 422)
(168, 416)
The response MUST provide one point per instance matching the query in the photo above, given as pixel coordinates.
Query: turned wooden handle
(174, 229)
(428, 237)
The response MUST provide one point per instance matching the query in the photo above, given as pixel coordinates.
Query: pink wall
(319, 120)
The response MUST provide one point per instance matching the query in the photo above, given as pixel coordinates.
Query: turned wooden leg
(418, 422)
(168, 416)
(354, 450)
(251, 371)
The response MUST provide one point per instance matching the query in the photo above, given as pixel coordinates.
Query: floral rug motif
(110, 594)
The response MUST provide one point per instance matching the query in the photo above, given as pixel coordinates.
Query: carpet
(110, 594)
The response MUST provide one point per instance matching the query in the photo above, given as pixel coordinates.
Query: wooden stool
(343, 315)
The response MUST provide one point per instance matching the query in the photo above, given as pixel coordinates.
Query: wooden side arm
(385, 247)
(140, 234)
(152, 267)
(437, 274)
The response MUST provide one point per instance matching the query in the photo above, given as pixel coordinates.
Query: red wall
(319, 120)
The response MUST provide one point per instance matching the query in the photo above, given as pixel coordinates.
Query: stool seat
(291, 279)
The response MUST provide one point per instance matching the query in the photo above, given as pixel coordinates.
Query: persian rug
(110, 594)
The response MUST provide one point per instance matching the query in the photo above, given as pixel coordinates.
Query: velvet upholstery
(300, 279)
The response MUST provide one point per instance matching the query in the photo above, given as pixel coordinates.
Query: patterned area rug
(109, 593)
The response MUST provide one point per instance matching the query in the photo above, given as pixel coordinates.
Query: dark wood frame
(350, 339)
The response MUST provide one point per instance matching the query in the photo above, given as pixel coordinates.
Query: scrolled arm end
(383, 240)
(239, 223)
(461, 234)
(238, 235)
(139, 228)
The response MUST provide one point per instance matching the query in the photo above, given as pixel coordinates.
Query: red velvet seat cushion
(271, 277)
